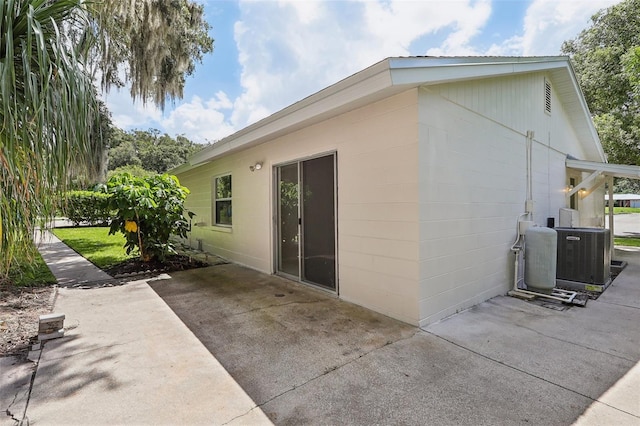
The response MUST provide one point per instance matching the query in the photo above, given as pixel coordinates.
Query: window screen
(222, 200)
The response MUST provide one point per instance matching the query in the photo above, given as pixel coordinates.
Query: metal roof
(619, 197)
(395, 75)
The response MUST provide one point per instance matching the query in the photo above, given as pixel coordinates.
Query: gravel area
(20, 308)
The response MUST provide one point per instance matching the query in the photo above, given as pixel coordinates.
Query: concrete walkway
(66, 265)
(125, 359)
(625, 225)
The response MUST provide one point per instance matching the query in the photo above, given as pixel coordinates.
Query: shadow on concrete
(305, 356)
(66, 374)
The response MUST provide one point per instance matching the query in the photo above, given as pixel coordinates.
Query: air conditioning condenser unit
(584, 258)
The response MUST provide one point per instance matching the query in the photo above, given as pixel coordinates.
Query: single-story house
(624, 200)
(399, 188)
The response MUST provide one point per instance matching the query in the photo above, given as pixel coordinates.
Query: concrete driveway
(625, 225)
(305, 357)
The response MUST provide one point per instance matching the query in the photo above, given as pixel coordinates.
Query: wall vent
(547, 96)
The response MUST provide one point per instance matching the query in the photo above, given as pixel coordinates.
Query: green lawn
(623, 210)
(95, 244)
(627, 241)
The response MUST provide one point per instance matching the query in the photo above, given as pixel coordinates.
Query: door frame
(275, 216)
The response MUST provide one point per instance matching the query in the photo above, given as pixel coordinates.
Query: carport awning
(607, 169)
(599, 171)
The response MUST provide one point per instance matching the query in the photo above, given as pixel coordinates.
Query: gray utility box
(584, 256)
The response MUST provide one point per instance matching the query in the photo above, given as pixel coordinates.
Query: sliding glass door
(306, 221)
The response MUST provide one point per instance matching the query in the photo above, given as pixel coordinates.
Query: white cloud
(127, 114)
(201, 121)
(306, 11)
(289, 49)
(548, 23)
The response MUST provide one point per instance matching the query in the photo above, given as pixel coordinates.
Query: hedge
(87, 207)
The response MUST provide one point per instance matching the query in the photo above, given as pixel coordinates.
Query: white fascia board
(615, 170)
(436, 61)
(387, 77)
(365, 86)
(436, 73)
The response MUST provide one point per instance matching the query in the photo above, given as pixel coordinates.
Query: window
(222, 200)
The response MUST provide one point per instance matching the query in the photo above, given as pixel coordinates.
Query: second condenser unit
(584, 256)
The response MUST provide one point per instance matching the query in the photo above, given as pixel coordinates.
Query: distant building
(624, 200)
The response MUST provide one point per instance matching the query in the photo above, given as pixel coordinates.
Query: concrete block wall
(473, 184)
(430, 183)
(377, 151)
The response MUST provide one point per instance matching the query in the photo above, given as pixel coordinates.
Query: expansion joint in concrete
(335, 368)
(575, 344)
(25, 420)
(528, 373)
(619, 304)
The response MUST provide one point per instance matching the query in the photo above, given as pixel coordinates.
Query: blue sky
(269, 54)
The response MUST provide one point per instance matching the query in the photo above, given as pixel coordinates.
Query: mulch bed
(20, 308)
(170, 264)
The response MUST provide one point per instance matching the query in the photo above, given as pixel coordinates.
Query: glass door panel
(306, 221)
(288, 220)
(318, 222)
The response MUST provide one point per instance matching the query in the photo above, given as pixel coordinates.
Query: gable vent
(547, 96)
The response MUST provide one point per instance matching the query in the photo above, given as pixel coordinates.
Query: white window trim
(215, 200)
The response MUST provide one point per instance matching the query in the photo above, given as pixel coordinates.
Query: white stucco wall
(473, 184)
(377, 151)
(430, 183)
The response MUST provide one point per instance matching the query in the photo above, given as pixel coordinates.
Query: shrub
(133, 169)
(148, 211)
(87, 206)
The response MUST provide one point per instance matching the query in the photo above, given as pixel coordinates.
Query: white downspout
(522, 226)
(529, 203)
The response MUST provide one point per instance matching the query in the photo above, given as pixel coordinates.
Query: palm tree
(47, 113)
(50, 120)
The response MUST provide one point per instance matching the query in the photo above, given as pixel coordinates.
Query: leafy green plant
(148, 211)
(34, 274)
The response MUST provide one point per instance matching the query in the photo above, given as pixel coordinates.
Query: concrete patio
(306, 357)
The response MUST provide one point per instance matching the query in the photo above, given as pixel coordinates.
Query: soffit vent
(547, 96)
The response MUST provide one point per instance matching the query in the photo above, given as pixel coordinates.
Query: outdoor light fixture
(255, 167)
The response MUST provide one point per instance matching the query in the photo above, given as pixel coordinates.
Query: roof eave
(387, 77)
(615, 170)
(369, 84)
